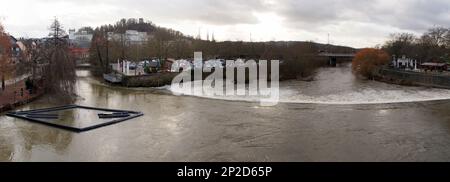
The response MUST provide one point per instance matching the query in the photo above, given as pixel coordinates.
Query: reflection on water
(78, 117)
(176, 128)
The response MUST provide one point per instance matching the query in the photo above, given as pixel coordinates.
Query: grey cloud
(414, 15)
(361, 19)
(209, 11)
(229, 12)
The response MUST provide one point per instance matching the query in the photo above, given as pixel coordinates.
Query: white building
(130, 37)
(405, 63)
(81, 38)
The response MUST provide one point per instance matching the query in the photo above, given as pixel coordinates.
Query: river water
(334, 118)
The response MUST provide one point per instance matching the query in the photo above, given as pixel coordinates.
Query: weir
(337, 86)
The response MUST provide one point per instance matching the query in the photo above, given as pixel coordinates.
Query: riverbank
(153, 80)
(410, 78)
(163, 79)
(15, 96)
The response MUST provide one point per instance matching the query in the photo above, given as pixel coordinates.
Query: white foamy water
(335, 86)
(365, 96)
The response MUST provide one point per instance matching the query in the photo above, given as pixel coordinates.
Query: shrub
(147, 70)
(367, 62)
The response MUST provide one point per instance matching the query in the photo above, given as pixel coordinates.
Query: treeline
(432, 46)
(300, 58)
(105, 50)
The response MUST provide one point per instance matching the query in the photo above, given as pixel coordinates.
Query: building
(80, 42)
(404, 63)
(434, 67)
(15, 49)
(80, 54)
(167, 65)
(80, 39)
(131, 37)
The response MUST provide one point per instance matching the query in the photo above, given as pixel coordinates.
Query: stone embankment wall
(438, 80)
(154, 80)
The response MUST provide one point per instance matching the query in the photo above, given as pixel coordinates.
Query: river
(334, 118)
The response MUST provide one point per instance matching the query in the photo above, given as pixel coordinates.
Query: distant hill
(169, 43)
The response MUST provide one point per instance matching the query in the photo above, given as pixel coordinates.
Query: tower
(72, 34)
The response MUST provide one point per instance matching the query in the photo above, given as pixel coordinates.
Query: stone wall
(153, 80)
(438, 80)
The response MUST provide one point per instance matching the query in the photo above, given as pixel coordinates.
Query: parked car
(144, 63)
(133, 66)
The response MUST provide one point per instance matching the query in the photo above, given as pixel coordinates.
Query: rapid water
(337, 86)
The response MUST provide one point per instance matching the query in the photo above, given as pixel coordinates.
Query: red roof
(76, 50)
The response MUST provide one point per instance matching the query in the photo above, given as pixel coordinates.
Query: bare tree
(5, 56)
(401, 44)
(59, 75)
(100, 51)
(447, 39)
(436, 36)
(433, 45)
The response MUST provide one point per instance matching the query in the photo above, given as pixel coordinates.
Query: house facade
(130, 37)
(80, 42)
(405, 63)
(80, 39)
(15, 49)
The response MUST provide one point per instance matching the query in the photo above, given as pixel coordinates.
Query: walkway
(15, 95)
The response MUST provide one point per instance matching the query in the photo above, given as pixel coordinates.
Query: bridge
(334, 57)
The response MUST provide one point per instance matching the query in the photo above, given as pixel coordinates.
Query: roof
(12, 40)
(77, 49)
(434, 64)
(21, 45)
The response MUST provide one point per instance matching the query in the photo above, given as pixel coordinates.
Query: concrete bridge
(334, 58)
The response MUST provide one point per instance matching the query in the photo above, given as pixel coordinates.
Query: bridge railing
(337, 55)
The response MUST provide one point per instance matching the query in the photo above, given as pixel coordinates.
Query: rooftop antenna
(199, 34)
(207, 35)
(328, 38)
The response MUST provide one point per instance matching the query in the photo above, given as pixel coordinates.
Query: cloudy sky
(358, 23)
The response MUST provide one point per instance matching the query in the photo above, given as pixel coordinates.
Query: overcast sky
(358, 23)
